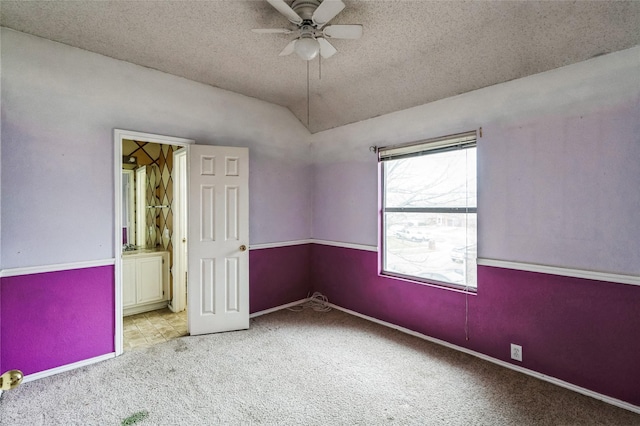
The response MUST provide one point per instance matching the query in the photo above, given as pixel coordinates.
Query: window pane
(433, 246)
(445, 179)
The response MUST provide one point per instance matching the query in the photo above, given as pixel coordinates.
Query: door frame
(180, 218)
(118, 136)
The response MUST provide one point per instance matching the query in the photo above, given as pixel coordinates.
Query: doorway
(152, 327)
(212, 230)
(151, 222)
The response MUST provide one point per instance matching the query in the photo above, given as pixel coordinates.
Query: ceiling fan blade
(326, 49)
(286, 10)
(271, 31)
(326, 11)
(288, 50)
(343, 31)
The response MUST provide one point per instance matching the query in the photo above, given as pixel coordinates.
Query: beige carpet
(301, 368)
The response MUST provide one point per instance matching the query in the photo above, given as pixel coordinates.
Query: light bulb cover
(307, 48)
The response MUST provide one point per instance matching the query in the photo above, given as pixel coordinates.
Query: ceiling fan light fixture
(307, 48)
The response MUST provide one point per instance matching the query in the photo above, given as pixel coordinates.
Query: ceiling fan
(311, 16)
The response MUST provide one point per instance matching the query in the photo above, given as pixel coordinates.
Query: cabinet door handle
(243, 248)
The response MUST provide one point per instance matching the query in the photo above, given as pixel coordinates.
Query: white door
(218, 239)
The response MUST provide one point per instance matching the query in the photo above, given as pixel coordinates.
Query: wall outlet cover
(516, 352)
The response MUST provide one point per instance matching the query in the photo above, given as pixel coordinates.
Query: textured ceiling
(411, 53)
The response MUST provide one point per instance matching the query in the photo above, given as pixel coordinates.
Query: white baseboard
(83, 363)
(532, 373)
(278, 308)
(145, 308)
(68, 367)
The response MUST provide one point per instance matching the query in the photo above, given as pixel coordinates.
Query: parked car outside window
(413, 234)
(458, 253)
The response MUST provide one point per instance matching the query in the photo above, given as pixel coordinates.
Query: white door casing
(218, 239)
(179, 174)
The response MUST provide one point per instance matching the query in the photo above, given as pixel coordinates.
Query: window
(429, 211)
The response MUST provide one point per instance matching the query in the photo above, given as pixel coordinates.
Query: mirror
(141, 178)
(149, 167)
(141, 214)
(147, 232)
(128, 207)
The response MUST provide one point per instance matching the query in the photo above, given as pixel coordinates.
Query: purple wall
(581, 331)
(56, 318)
(278, 276)
(53, 319)
(577, 330)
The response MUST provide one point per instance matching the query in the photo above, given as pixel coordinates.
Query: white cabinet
(149, 280)
(145, 277)
(128, 282)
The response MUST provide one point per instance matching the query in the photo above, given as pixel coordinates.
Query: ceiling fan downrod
(305, 9)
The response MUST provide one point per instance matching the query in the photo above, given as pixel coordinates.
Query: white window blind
(428, 146)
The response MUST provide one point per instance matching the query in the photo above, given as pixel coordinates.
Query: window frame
(455, 142)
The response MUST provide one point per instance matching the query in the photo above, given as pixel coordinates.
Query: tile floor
(149, 328)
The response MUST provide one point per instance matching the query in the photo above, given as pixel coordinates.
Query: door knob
(11, 379)
(243, 248)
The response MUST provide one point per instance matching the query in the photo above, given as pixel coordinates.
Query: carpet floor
(301, 368)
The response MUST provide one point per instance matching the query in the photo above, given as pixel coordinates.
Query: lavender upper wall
(558, 166)
(59, 108)
(562, 190)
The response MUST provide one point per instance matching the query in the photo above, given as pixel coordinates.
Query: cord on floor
(317, 301)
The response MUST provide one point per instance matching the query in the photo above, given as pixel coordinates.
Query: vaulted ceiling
(411, 53)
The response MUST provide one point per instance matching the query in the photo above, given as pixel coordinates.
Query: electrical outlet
(516, 352)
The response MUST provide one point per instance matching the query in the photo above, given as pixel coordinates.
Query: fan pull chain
(319, 67)
(307, 93)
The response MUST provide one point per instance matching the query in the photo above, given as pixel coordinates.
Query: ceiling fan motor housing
(305, 9)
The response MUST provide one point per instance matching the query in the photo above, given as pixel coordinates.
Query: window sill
(430, 282)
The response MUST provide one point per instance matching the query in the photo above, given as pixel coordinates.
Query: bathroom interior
(149, 249)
